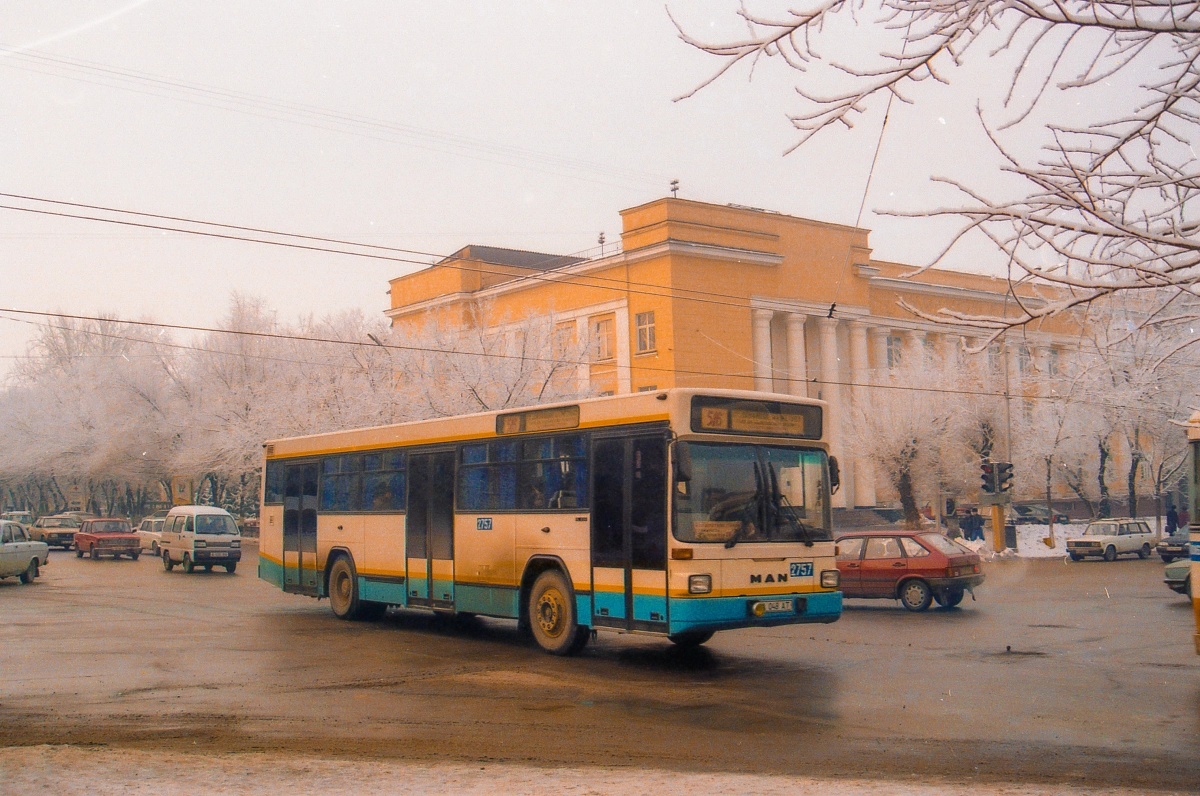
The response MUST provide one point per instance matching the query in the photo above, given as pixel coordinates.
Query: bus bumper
(727, 613)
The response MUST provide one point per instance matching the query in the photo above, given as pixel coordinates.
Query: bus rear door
(429, 529)
(300, 573)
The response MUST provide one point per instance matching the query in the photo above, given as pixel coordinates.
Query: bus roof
(612, 410)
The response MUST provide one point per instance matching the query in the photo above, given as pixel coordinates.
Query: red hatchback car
(107, 537)
(914, 567)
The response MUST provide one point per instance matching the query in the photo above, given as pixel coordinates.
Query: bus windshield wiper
(756, 501)
(784, 506)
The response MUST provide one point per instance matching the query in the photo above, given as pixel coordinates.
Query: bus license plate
(779, 606)
(218, 555)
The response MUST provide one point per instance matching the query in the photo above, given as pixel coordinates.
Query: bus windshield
(753, 493)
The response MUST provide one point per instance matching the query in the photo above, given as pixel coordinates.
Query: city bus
(674, 513)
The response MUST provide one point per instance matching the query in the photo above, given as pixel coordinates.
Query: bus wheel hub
(550, 613)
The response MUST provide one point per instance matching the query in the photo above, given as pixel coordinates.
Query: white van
(200, 536)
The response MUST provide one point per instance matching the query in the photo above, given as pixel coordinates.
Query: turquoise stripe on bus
(417, 588)
(698, 613)
(269, 571)
(442, 590)
(649, 607)
(377, 592)
(487, 600)
(611, 601)
(583, 609)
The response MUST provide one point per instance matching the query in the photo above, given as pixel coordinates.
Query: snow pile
(1030, 542)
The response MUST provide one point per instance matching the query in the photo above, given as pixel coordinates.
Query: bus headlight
(830, 578)
(699, 584)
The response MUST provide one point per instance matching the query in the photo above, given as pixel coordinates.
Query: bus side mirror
(683, 462)
(835, 475)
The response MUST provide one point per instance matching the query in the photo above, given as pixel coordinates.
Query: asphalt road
(1061, 673)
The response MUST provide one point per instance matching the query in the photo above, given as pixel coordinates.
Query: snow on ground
(1030, 542)
(68, 771)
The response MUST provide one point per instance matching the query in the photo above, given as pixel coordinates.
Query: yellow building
(726, 296)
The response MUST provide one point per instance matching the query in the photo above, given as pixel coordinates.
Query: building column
(864, 469)
(914, 347)
(797, 366)
(879, 339)
(831, 391)
(761, 351)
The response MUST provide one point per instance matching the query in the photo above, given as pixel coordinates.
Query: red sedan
(107, 537)
(914, 567)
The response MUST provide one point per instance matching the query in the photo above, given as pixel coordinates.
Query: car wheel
(30, 572)
(208, 567)
(1075, 556)
(950, 597)
(915, 595)
(552, 614)
(1110, 553)
(95, 553)
(188, 565)
(78, 551)
(1144, 553)
(1168, 559)
(231, 567)
(168, 564)
(134, 556)
(690, 640)
(154, 548)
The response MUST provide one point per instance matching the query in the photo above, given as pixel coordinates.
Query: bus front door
(300, 574)
(429, 530)
(629, 533)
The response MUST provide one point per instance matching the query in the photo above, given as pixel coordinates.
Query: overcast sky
(423, 125)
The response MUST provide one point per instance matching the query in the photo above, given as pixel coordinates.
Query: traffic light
(1004, 476)
(987, 477)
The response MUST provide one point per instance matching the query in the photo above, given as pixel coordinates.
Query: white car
(150, 533)
(1108, 539)
(20, 555)
(200, 536)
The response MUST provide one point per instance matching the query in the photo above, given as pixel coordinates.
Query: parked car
(1174, 546)
(58, 531)
(1178, 577)
(200, 536)
(1035, 514)
(107, 537)
(914, 567)
(150, 533)
(1111, 538)
(79, 515)
(23, 517)
(20, 555)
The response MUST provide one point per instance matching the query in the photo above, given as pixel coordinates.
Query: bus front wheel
(552, 615)
(690, 639)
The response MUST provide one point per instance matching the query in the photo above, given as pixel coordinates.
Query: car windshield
(59, 522)
(109, 526)
(215, 524)
(942, 544)
(1101, 529)
(754, 493)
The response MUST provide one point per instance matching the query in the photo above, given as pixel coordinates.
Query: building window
(994, 357)
(1024, 360)
(564, 339)
(648, 388)
(645, 332)
(604, 343)
(1052, 362)
(895, 350)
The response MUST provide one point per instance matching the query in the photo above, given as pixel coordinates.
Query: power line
(518, 357)
(316, 117)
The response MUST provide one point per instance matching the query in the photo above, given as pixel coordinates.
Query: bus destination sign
(556, 419)
(755, 418)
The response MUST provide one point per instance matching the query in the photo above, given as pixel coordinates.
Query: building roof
(515, 257)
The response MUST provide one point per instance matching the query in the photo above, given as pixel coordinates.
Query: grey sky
(526, 125)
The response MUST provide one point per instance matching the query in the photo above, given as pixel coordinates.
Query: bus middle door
(629, 533)
(300, 573)
(429, 530)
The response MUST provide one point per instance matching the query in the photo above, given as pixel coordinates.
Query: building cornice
(705, 251)
(946, 291)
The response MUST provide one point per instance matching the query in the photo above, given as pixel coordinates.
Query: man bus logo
(780, 578)
(801, 569)
(483, 524)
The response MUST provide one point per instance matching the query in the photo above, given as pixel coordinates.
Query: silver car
(20, 556)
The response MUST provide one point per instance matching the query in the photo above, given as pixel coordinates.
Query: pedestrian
(1172, 520)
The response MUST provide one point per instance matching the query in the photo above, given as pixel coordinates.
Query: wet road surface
(1060, 673)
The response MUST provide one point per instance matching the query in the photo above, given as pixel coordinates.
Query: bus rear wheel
(552, 615)
(343, 594)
